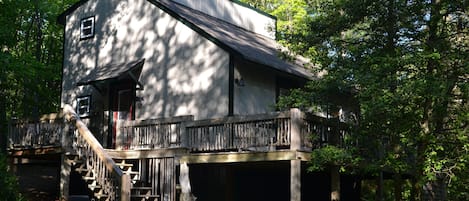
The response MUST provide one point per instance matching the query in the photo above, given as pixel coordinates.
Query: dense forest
(30, 58)
(30, 68)
(404, 64)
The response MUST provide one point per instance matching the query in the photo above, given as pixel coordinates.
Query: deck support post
(184, 134)
(296, 123)
(65, 169)
(66, 140)
(295, 165)
(295, 180)
(125, 186)
(186, 192)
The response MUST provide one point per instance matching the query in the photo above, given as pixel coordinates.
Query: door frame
(115, 90)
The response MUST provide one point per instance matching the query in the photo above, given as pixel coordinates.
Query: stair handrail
(123, 180)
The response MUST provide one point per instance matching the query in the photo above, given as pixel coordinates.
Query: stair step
(126, 168)
(122, 164)
(94, 186)
(144, 196)
(73, 157)
(82, 169)
(88, 178)
(78, 198)
(141, 191)
(141, 188)
(131, 172)
(77, 162)
(100, 195)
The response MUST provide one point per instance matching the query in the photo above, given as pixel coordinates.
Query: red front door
(123, 109)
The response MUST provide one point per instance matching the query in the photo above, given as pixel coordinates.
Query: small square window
(87, 28)
(83, 106)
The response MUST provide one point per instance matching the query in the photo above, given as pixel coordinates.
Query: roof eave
(61, 18)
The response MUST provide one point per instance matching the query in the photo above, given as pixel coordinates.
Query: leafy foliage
(30, 58)
(9, 186)
(405, 64)
(332, 156)
(31, 52)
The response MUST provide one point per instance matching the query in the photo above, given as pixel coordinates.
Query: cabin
(174, 100)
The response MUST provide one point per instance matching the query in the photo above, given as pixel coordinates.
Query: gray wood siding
(184, 73)
(257, 96)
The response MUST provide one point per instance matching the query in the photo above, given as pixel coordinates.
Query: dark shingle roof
(249, 45)
(236, 40)
(109, 72)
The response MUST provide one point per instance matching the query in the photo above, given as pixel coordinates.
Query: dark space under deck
(257, 181)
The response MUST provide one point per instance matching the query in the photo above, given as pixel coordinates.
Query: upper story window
(87, 28)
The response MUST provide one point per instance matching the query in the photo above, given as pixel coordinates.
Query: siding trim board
(231, 87)
(63, 66)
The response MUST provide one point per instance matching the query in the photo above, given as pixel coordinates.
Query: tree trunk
(3, 110)
(397, 187)
(335, 183)
(335, 169)
(380, 187)
(416, 191)
(3, 125)
(38, 54)
(428, 119)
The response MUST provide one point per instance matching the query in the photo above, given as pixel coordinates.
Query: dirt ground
(39, 181)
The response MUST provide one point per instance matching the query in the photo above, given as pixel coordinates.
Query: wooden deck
(35, 151)
(253, 133)
(33, 135)
(148, 152)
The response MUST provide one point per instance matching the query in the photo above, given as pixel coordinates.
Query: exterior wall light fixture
(240, 82)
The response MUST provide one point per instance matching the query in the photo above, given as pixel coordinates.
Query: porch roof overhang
(114, 72)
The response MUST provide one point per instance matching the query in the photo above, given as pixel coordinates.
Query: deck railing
(319, 131)
(237, 133)
(32, 134)
(254, 132)
(152, 134)
(115, 184)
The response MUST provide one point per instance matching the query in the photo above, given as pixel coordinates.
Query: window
(83, 106)
(87, 28)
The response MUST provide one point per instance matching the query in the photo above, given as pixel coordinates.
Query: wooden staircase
(140, 191)
(108, 179)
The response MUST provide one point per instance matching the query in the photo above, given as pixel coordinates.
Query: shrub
(8, 182)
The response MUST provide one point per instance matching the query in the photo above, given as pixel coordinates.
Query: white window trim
(83, 27)
(87, 107)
